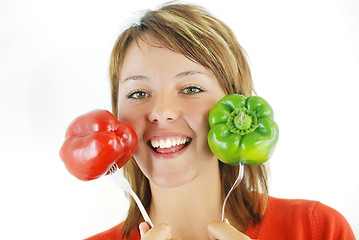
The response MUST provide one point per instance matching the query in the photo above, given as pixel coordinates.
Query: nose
(164, 109)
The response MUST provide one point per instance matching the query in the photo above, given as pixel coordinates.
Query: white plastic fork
(123, 184)
(235, 184)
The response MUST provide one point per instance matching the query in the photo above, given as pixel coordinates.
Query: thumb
(144, 228)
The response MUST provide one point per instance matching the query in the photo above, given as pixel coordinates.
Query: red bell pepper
(94, 142)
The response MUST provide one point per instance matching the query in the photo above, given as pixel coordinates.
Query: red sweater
(283, 219)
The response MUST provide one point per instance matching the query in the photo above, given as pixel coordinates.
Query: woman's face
(166, 98)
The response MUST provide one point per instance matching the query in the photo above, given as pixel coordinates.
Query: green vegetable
(242, 130)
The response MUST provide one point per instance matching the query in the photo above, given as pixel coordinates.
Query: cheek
(198, 112)
(133, 116)
(197, 118)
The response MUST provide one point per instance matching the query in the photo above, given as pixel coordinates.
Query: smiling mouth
(169, 145)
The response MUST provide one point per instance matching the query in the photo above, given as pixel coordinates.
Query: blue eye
(192, 90)
(138, 94)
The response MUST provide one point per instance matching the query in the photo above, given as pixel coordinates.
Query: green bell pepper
(242, 130)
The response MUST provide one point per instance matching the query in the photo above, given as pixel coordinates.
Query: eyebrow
(179, 75)
(187, 73)
(136, 77)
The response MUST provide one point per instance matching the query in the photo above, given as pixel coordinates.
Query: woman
(166, 73)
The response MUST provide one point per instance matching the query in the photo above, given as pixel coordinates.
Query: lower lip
(168, 155)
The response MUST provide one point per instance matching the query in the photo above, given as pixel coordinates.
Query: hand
(160, 232)
(224, 231)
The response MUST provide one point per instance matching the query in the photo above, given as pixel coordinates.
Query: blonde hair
(193, 32)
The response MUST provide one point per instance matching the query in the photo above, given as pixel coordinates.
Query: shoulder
(279, 208)
(302, 219)
(330, 224)
(115, 233)
(316, 211)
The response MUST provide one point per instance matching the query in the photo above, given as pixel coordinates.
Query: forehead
(148, 54)
(143, 46)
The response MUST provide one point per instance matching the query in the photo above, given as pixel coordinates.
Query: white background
(54, 58)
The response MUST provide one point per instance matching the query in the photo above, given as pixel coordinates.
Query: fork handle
(122, 183)
(235, 184)
(142, 209)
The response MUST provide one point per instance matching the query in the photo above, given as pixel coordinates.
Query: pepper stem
(242, 121)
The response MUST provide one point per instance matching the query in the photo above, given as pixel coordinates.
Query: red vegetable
(96, 141)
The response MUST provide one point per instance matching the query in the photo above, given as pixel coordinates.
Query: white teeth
(162, 143)
(170, 142)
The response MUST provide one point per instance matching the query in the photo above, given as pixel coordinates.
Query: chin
(175, 172)
(172, 179)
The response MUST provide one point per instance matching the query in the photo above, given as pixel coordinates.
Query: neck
(189, 208)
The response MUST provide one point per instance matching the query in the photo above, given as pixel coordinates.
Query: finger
(224, 231)
(144, 228)
(159, 232)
